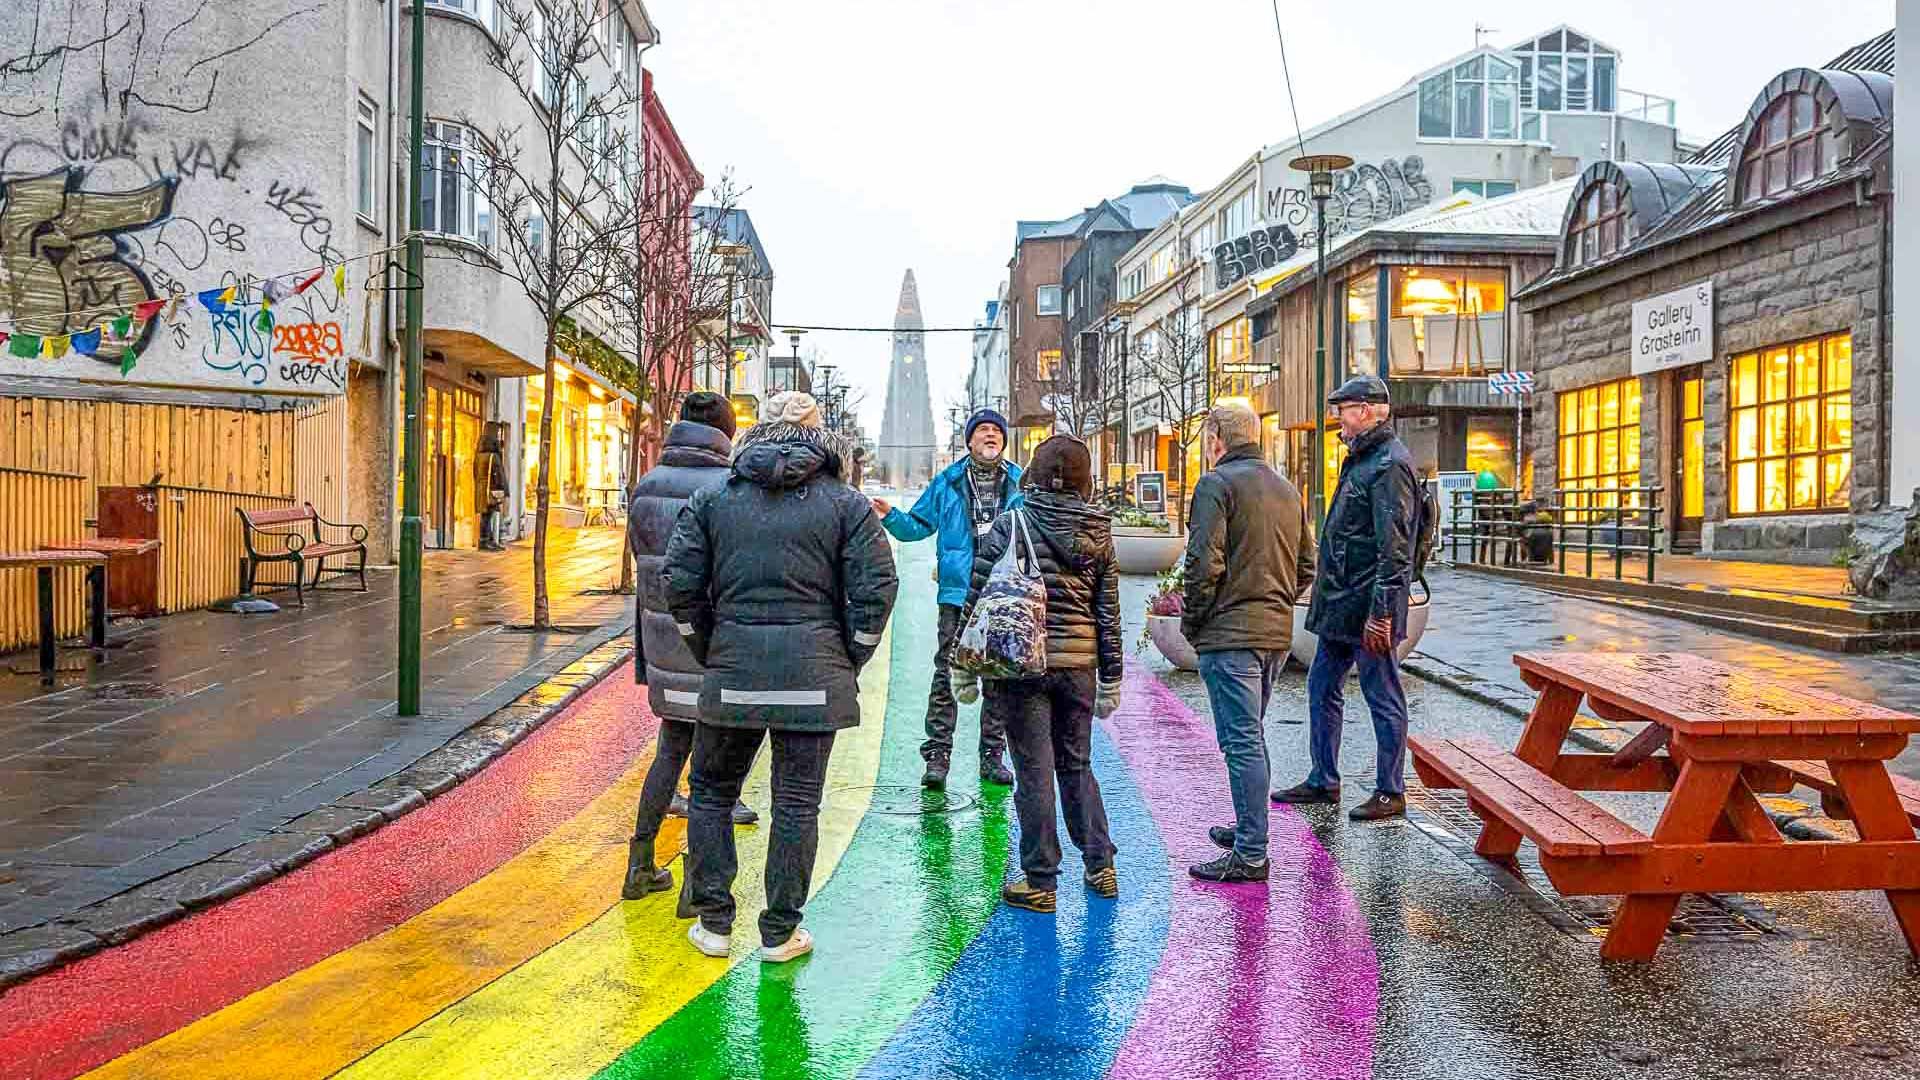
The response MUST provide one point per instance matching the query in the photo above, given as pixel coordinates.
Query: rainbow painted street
(481, 936)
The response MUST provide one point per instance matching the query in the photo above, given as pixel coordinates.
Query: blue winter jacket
(943, 508)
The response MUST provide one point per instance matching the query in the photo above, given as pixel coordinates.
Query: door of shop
(1689, 458)
(453, 439)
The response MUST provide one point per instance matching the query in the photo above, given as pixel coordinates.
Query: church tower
(906, 429)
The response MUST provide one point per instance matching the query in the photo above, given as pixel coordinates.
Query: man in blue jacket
(960, 504)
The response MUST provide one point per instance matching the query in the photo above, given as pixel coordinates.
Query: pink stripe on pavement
(1279, 981)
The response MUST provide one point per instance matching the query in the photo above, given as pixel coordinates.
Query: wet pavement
(1480, 621)
(207, 730)
(480, 936)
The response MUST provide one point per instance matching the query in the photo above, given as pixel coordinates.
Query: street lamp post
(1320, 169)
(408, 674)
(793, 371)
(1124, 311)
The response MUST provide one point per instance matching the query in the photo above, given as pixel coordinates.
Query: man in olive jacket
(1359, 608)
(781, 582)
(1249, 556)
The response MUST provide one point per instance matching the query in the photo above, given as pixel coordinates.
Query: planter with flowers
(1163, 621)
(1145, 543)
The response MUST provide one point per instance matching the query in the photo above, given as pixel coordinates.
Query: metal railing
(1499, 526)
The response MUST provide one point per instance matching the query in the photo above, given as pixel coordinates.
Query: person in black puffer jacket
(780, 582)
(696, 455)
(1050, 718)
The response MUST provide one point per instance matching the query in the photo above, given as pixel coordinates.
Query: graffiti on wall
(1363, 195)
(138, 164)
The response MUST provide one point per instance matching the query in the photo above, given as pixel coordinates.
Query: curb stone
(35, 950)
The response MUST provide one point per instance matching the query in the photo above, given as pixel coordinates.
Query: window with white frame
(1478, 98)
(451, 199)
(1487, 189)
(1046, 300)
(1237, 219)
(366, 157)
(1567, 72)
(484, 12)
(1200, 243)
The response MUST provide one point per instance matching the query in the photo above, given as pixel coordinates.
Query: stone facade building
(1719, 329)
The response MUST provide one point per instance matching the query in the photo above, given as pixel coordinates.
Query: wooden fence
(38, 508)
(201, 545)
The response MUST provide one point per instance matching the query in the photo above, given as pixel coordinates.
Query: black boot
(642, 876)
(936, 778)
(993, 770)
(685, 908)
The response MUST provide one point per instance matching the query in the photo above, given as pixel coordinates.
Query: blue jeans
(1380, 685)
(1239, 684)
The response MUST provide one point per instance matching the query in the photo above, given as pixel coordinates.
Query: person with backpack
(1368, 550)
(1050, 716)
(959, 505)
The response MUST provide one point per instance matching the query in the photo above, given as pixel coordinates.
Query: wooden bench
(1502, 787)
(294, 546)
(1834, 803)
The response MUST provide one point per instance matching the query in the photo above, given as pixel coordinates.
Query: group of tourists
(766, 581)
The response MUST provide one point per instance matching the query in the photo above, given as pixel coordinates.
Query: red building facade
(669, 184)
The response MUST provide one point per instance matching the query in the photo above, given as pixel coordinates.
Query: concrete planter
(1146, 551)
(1306, 644)
(1166, 635)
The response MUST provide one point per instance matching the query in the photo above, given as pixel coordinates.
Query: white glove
(966, 686)
(1106, 699)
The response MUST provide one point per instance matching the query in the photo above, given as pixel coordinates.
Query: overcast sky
(877, 135)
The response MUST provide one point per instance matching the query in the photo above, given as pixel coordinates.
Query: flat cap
(1366, 388)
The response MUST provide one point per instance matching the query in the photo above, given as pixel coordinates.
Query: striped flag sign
(1511, 382)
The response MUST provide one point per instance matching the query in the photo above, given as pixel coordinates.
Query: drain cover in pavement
(906, 800)
(1702, 917)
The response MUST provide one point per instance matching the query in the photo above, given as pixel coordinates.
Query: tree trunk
(542, 619)
(633, 475)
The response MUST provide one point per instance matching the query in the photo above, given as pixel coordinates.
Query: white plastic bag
(1006, 638)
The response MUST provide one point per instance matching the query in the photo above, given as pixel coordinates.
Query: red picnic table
(1715, 737)
(94, 555)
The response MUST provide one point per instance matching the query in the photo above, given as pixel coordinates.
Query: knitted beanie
(793, 416)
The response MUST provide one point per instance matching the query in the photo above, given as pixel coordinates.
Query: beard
(986, 457)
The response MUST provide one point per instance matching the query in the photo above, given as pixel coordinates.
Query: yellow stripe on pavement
(574, 1008)
(323, 1018)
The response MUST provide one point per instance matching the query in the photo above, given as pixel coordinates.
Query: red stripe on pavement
(80, 1016)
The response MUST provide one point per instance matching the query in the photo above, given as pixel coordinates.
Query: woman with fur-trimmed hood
(780, 581)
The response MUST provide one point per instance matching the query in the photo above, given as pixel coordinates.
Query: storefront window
(1600, 444)
(1693, 449)
(1231, 344)
(1363, 309)
(1490, 447)
(1447, 321)
(1791, 427)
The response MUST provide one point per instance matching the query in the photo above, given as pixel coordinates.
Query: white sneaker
(709, 942)
(800, 944)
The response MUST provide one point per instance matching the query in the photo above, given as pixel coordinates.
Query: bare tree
(1172, 358)
(673, 286)
(560, 192)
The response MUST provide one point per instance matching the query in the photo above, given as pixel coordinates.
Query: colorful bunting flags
(127, 356)
(308, 283)
(214, 300)
(24, 346)
(147, 309)
(88, 343)
(122, 327)
(54, 346)
(276, 290)
(340, 279)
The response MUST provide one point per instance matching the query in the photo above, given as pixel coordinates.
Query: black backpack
(1426, 534)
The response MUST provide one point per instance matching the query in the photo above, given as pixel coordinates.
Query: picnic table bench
(294, 546)
(93, 556)
(1716, 736)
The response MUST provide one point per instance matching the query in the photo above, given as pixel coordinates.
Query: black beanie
(1061, 464)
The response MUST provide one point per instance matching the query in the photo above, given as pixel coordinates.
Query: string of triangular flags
(121, 332)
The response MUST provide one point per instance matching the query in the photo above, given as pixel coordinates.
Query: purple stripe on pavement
(1279, 981)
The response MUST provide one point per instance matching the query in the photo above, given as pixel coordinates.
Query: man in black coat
(696, 455)
(780, 581)
(1249, 557)
(1359, 605)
